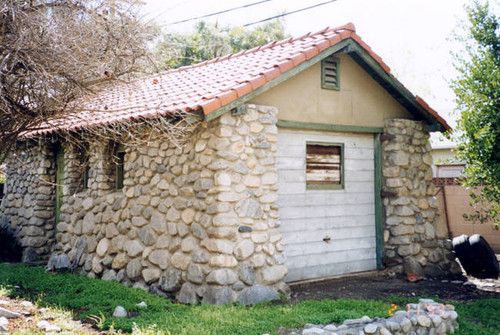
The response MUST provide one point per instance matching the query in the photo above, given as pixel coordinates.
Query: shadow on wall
(10, 250)
(2, 182)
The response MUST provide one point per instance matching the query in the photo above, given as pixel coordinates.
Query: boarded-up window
(324, 165)
(330, 73)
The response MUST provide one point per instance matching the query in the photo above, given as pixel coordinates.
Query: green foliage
(478, 99)
(208, 42)
(87, 296)
(479, 317)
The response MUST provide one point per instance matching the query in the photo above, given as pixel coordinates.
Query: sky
(414, 37)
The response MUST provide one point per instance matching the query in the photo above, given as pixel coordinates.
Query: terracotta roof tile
(322, 45)
(208, 85)
(433, 112)
(243, 88)
(256, 82)
(271, 73)
(227, 97)
(285, 66)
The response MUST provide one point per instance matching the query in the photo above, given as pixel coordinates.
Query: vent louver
(330, 73)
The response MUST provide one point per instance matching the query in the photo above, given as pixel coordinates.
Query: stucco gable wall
(361, 101)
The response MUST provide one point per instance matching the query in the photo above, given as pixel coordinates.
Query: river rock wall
(29, 201)
(198, 222)
(426, 317)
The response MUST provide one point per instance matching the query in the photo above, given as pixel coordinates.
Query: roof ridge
(322, 31)
(349, 27)
(158, 76)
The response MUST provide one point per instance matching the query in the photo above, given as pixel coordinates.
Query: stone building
(311, 161)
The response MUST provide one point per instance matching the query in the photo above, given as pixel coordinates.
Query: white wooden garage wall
(346, 216)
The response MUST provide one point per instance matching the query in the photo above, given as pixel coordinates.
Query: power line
(170, 8)
(217, 13)
(285, 14)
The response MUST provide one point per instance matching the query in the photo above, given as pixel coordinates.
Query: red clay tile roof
(206, 86)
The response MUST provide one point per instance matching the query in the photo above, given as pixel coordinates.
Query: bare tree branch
(54, 51)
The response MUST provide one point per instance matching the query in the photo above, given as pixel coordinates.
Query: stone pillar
(29, 201)
(101, 173)
(413, 242)
(73, 183)
(243, 241)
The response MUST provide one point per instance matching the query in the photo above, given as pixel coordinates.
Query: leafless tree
(54, 51)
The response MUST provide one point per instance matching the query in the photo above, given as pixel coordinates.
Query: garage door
(326, 202)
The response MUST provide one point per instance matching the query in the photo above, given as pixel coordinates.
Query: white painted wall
(347, 216)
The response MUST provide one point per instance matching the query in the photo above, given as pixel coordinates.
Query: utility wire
(170, 8)
(289, 13)
(217, 13)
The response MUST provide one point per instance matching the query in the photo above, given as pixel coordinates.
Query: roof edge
(380, 72)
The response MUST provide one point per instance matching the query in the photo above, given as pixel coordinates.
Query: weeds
(149, 330)
(99, 320)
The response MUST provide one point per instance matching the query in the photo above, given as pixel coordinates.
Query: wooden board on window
(323, 164)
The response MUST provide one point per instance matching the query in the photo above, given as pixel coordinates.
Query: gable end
(394, 87)
(374, 67)
(337, 48)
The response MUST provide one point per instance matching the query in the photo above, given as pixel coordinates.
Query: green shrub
(480, 317)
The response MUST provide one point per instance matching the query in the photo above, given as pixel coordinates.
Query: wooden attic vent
(324, 166)
(330, 73)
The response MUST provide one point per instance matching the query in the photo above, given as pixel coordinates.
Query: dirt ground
(377, 285)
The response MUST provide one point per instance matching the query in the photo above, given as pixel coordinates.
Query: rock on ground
(120, 312)
(8, 314)
(256, 294)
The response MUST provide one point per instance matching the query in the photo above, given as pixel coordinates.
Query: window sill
(325, 187)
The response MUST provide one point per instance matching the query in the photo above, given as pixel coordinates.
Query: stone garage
(306, 159)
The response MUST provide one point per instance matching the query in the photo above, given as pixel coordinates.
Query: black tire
(484, 257)
(463, 251)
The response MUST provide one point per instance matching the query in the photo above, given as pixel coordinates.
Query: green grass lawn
(90, 298)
